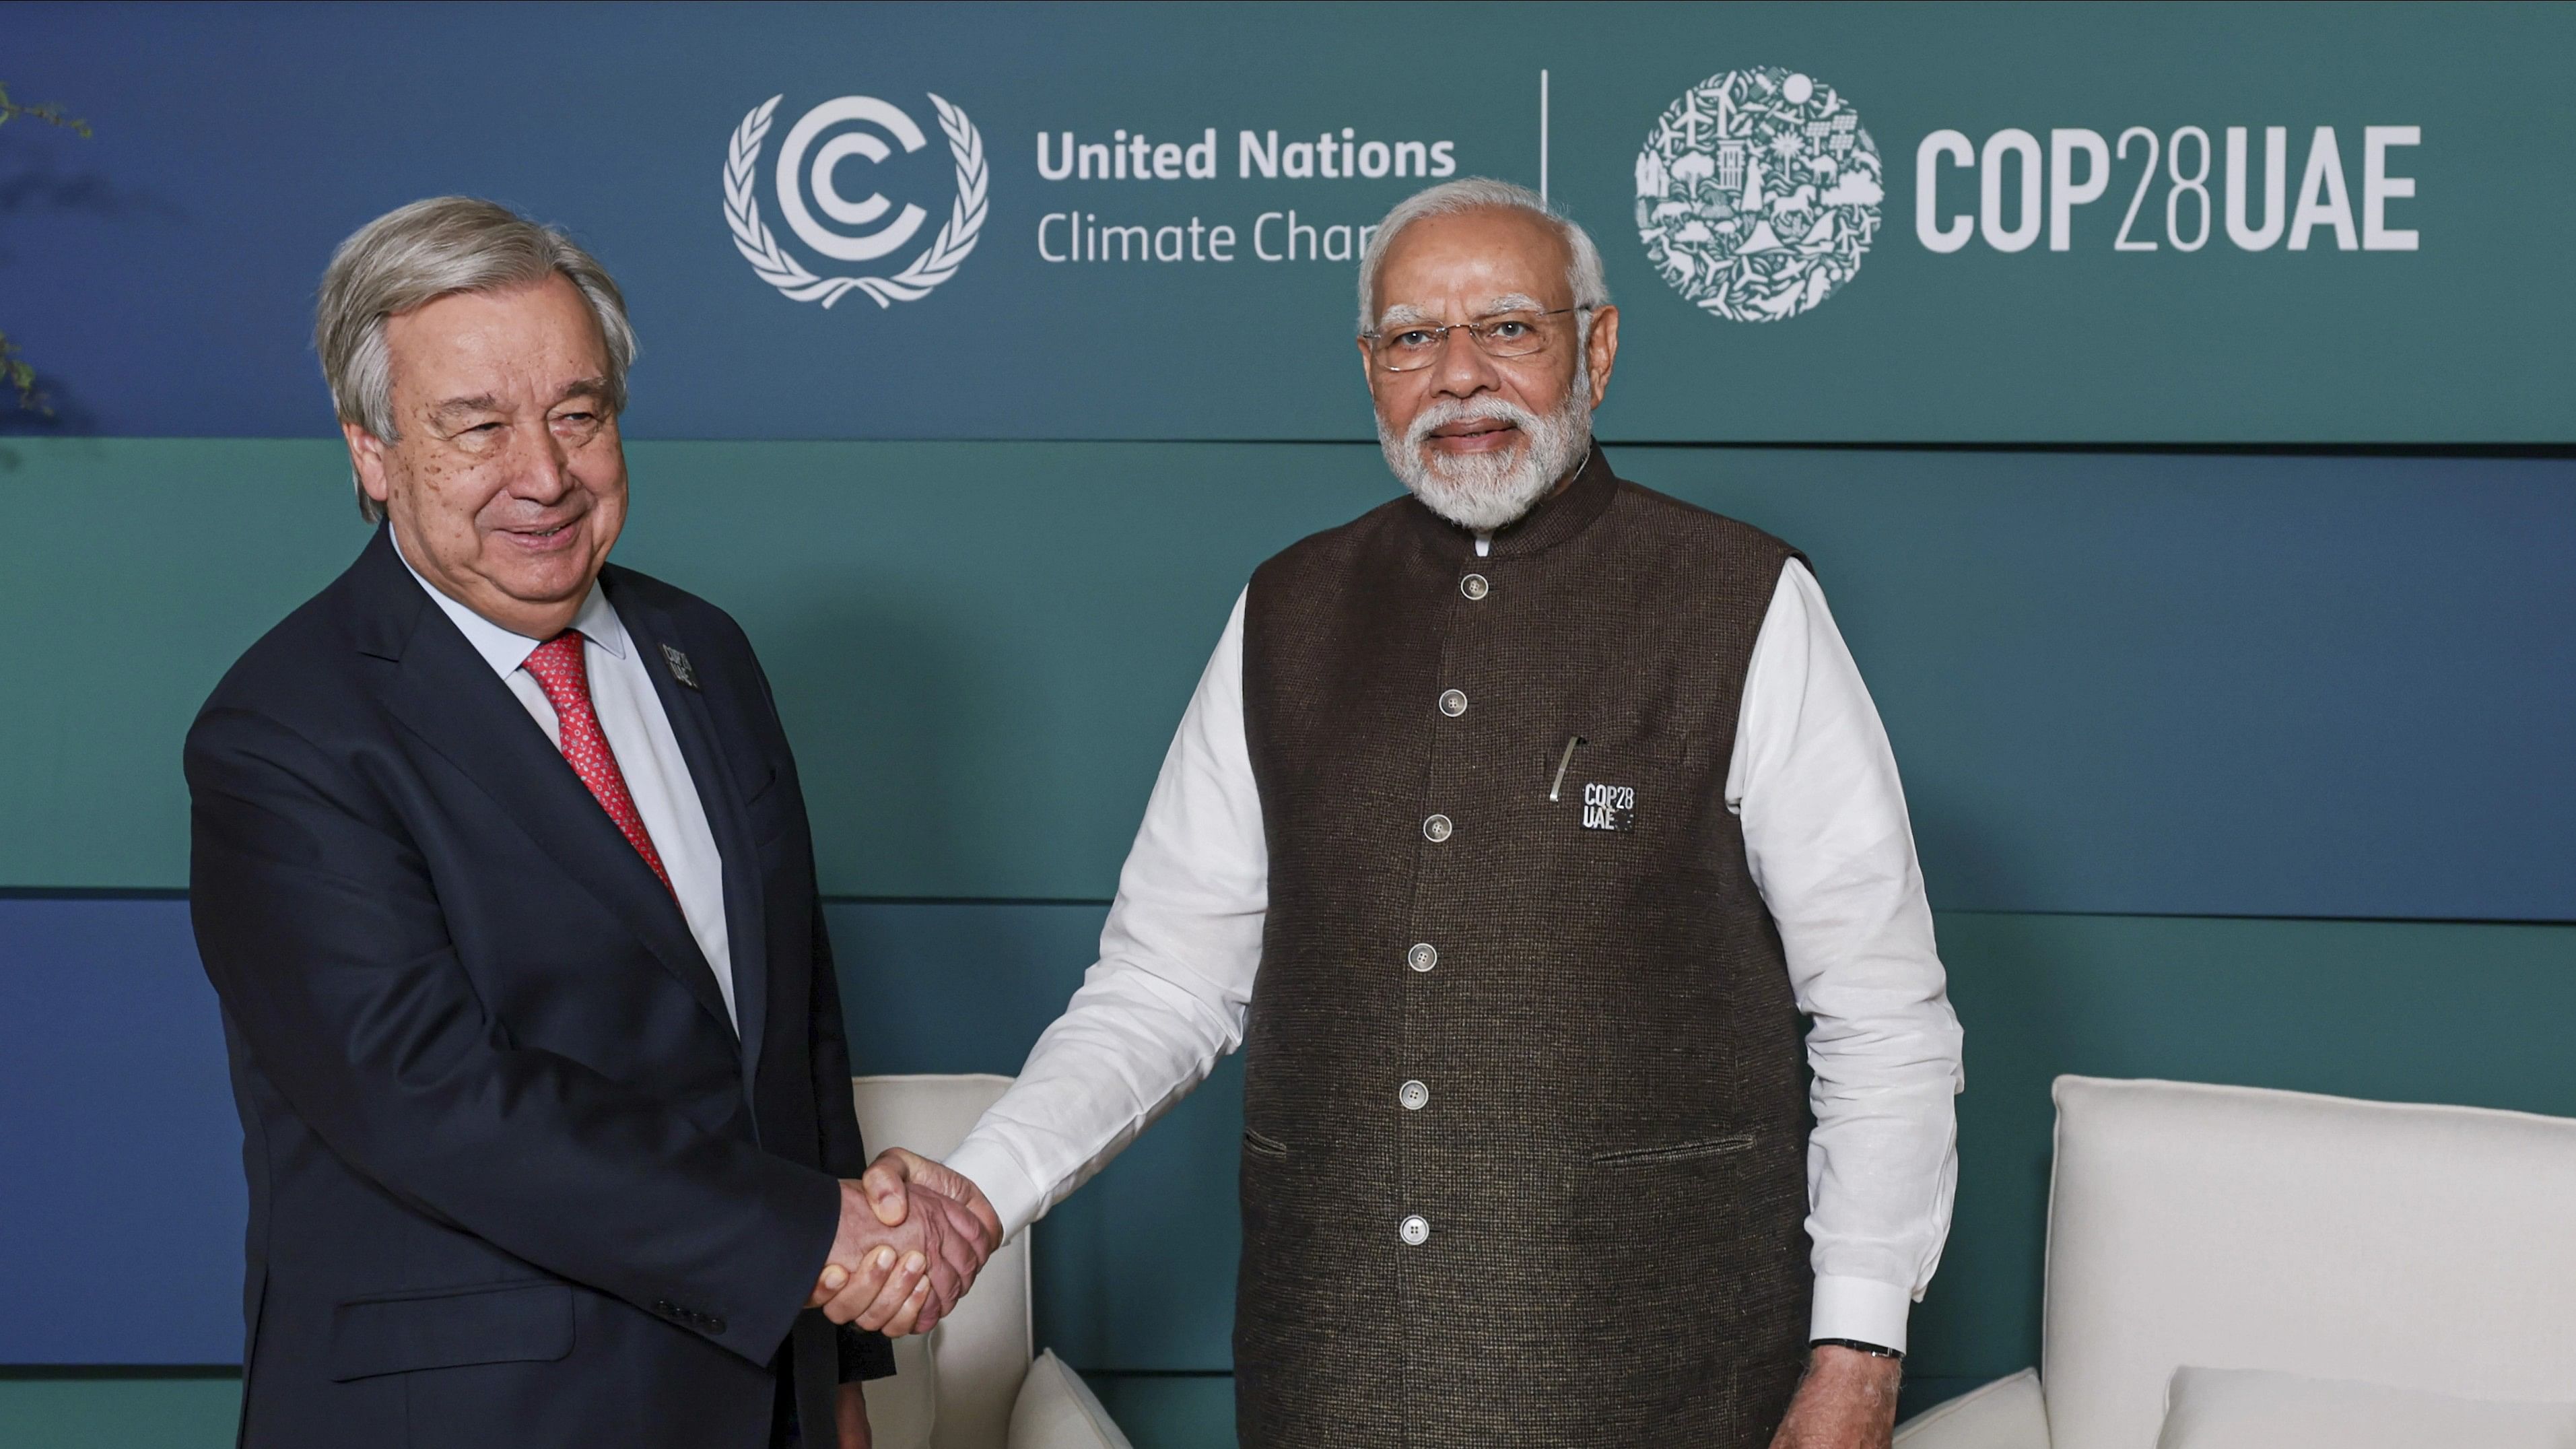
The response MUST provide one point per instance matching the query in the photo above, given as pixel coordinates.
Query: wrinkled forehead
(1474, 263)
(536, 335)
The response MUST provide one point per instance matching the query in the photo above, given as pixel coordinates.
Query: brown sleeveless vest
(1525, 1097)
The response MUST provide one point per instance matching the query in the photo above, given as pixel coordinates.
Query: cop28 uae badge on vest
(1757, 194)
(1609, 807)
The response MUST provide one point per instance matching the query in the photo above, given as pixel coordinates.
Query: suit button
(1423, 956)
(715, 1325)
(1474, 586)
(1437, 829)
(1416, 1230)
(1453, 702)
(1414, 1096)
(664, 1305)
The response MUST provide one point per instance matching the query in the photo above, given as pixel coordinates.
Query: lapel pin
(680, 669)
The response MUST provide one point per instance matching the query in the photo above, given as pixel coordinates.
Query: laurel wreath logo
(751, 235)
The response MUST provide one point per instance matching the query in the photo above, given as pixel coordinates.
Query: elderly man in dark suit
(502, 872)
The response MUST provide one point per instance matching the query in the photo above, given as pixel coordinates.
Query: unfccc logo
(806, 170)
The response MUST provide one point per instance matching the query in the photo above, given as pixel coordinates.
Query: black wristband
(1855, 1345)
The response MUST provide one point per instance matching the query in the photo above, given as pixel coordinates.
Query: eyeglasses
(1415, 346)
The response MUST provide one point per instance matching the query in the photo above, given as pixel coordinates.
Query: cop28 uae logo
(806, 170)
(1757, 194)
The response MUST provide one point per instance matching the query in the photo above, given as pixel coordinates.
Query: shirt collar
(506, 651)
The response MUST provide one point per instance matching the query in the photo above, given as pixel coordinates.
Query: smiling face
(507, 487)
(1480, 438)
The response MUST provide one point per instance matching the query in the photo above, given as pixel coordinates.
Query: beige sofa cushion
(2418, 1247)
(1057, 1411)
(2006, 1414)
(2249, 1409)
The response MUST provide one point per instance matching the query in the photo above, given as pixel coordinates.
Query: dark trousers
(782, 1423)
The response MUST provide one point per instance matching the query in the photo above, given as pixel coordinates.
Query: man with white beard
(1537, 839)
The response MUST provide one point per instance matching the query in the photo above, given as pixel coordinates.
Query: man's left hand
(1846, 1401)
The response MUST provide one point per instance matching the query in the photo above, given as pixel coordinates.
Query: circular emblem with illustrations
(1757, 193)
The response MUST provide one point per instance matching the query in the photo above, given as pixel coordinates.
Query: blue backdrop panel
(109, 1037)
(2256, 686)
(161, 275)
(121, 1198)
(2132, 683)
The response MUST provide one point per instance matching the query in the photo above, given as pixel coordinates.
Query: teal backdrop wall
(2216, 599)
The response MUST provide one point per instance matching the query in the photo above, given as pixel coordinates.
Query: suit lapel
(449, 697)
(725, 796)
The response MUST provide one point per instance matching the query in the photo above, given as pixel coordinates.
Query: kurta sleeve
(1826, 835)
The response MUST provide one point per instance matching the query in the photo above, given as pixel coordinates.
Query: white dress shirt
(1825, 833)
(648, 754)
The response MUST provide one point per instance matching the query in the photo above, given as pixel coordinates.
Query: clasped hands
(913, 1236)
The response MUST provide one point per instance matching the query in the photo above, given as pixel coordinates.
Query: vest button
(1437, 829)
(1416, 1230)
(1423, 956)
(1453, 703)
(1414, 1096)
(1474, 586)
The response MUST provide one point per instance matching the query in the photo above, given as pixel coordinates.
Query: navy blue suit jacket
(514, 1178)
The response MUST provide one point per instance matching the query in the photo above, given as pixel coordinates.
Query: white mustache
(1453, 410)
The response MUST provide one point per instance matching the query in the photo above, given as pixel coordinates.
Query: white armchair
(970, 1383)
(2417, 1247)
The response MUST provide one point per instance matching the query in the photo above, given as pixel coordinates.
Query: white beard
(1486, 491)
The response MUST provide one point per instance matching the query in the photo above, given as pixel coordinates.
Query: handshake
(913, 1236)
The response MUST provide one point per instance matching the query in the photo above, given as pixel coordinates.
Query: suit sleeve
(322, 932)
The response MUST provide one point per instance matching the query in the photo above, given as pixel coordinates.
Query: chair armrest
(2006, 1414)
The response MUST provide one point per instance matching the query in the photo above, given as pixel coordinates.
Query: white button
(1453, 703)
(1423, 956)
(1474, 586)
(1414, 1096)
(1417, 1230)
(1436, 829)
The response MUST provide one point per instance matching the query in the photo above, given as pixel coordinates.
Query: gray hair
(414, 255)
(1479, 193)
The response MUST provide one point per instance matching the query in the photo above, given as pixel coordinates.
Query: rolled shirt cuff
(1862, 1309)
(1016, 1199)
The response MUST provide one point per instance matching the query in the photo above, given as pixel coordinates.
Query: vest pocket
(1261, 1145)
(1675, 1152)
(1617, 804)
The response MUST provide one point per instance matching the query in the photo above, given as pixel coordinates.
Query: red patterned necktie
(564, 675)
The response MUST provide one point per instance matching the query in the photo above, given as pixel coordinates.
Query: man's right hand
(901, 1278)
(899, 1169)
